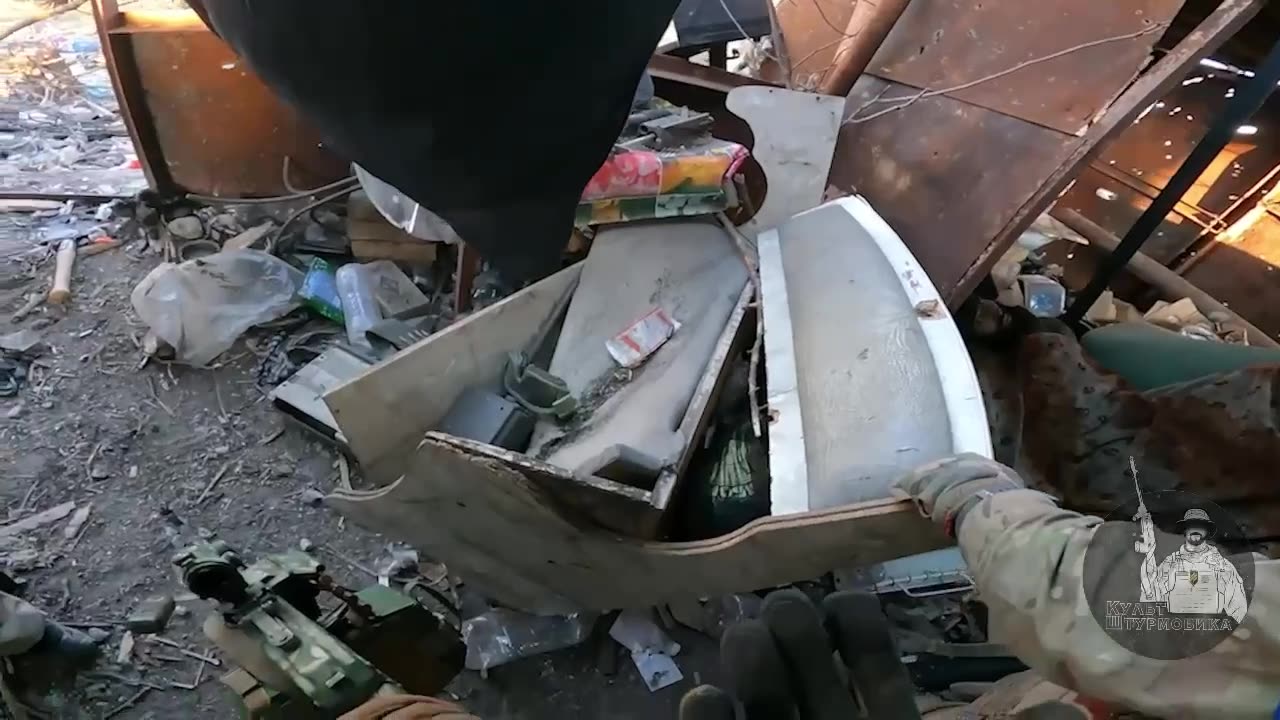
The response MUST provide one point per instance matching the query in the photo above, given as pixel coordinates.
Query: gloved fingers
(707, 702)
(801, 637)
(928, 483)
(754, 671)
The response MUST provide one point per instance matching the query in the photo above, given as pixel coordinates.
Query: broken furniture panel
(231, 137)
(385, 411)
(795, 134)
(960, 182)
(882, 382)
(485, 512)
(694, 273)
(639, 426)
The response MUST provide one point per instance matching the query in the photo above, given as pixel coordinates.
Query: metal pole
(1243, 105)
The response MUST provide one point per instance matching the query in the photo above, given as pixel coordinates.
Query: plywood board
(884, 382)
(482, 513)
(384, 412)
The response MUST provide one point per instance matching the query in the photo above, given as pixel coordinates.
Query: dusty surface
(141, 445)
(141, 442)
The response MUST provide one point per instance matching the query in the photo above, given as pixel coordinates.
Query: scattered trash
(188, 227)
(98, 245)
(650, 649)
(633, 346)
(356, 289)
(52, 515)
(393, 289)
(1043, 296)
(201, 306)
(77, 521)
(151, 615)
(249, 238)
(312, 497)
(500, 636)
(125, 652)
(401, 560)
(722, 613)
(319, 290)
(23, 342)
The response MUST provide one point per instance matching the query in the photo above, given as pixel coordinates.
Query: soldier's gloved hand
(945, 490)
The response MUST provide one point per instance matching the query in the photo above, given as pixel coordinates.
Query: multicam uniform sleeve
(1026, 556)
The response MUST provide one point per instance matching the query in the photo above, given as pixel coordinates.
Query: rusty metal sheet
(1244, 273)
(1218, 437)
(830, 43)
(947, 43)
(945, 174)
(203, 122)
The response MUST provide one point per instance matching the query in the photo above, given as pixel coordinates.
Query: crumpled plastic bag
(201, 306)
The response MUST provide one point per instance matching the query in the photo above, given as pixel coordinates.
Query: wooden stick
(214, 482)
(60, 293)
(189, 653)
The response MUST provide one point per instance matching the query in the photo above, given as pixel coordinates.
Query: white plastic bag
(201, 306)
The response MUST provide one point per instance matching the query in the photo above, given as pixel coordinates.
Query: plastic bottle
(500, 636)
(359, 302)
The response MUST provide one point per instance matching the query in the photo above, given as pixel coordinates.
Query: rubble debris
(23, 342)
(651, 650)
(125, 652)
(40, 519)
(501, 636)
(187, 227)
(77, 521)
(642, 338)
(151, 615)
(33, 301)
(250, 238)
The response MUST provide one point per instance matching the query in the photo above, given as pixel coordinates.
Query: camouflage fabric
(1026, 556)
(1216, 437)
(1026, 696)
(21, 625)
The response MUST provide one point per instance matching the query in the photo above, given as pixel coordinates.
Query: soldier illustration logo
(1163, 595)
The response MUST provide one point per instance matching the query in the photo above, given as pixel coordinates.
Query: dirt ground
(142, 442)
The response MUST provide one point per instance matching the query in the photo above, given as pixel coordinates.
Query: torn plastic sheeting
(201, 306)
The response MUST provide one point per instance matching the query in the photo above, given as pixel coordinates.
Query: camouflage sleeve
(1027, 555)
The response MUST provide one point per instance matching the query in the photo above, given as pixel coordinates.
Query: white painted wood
(788, 469)
(965, 409)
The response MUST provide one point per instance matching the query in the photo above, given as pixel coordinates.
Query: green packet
(319, 290)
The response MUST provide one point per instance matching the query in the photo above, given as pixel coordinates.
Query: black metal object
(1243, 105)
